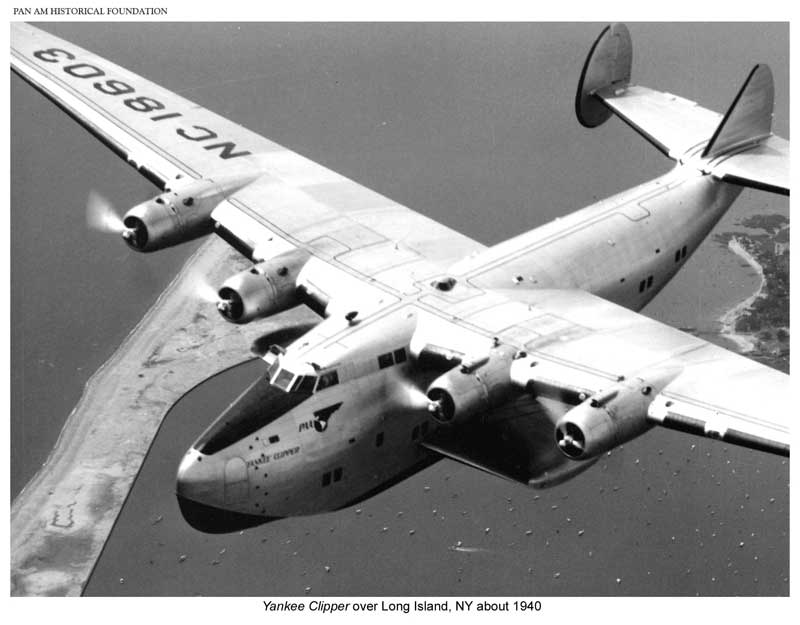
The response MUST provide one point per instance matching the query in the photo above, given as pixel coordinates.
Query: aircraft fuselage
(344, 443)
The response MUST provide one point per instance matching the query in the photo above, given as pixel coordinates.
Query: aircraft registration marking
(138, 103)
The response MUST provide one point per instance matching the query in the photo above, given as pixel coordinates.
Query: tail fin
(741, 149)
(607, 66)
(749, 118)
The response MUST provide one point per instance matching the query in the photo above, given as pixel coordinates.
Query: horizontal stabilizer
(764, 166)
(738, 147)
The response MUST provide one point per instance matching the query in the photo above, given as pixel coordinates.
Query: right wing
(576, 345)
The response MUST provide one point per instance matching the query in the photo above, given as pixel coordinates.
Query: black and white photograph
(412, 309)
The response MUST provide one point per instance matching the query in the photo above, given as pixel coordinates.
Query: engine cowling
(182, 213)
(265, 289)
(471, 388)
(611, 417)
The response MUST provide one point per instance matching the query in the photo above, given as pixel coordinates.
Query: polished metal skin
(526, 359)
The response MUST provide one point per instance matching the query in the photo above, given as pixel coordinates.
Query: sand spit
(62, 518)
(744, 342)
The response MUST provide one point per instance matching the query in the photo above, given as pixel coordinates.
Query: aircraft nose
(201, 496)
(201, 479)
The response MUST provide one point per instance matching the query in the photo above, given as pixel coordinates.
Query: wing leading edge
(163, 134)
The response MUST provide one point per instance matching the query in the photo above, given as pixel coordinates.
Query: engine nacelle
(473, 387)
(263, 290)
(611, 417)
(182, 213)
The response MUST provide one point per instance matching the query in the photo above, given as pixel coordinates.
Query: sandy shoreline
(744, 342)
(62, 518)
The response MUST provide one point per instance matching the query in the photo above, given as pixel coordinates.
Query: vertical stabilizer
(749, 118)
(607, 65)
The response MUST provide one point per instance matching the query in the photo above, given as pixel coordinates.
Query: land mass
(62, 518)
(760, 324)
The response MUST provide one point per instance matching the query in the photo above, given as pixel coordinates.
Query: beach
(62, 518)
(745, 343)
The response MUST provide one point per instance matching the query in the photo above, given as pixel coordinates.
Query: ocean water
(665, 514)
(472, 125)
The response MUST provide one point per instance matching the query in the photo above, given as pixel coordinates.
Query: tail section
(749, 118)
(608, 66)
(738, 147)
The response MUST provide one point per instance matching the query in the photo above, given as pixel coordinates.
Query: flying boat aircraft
(527, 359)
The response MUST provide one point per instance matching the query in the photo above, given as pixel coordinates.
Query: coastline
(745, 342)
(64, 514)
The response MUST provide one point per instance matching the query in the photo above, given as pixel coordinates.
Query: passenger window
(385, 360)
(337, 474)
(328, 379)
(677, 256)
(326, 478)
(400, 355)
(379, 439)
(683, 252)
(641, 286)
(649, 282)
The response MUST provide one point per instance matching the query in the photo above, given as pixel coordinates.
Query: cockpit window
(305, 384)
(328, 379)
(159, 200)
(283, 379)
(287, 381)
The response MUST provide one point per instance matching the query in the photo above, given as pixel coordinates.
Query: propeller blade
(101, 216)
(200, 288)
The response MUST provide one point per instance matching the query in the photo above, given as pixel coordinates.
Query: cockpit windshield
(287, 381)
